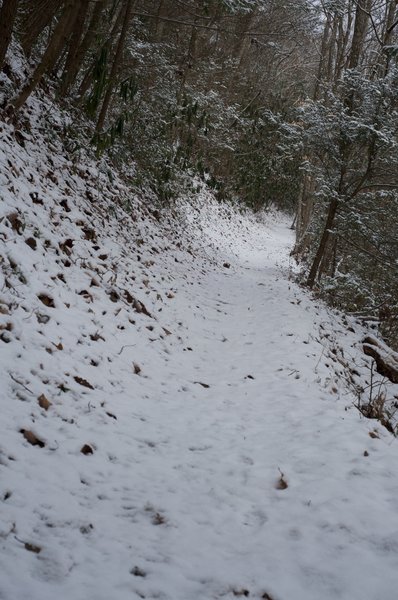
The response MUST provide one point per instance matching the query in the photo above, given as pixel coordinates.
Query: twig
(20, 383)
(125, 346)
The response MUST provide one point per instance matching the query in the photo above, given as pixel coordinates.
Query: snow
(239, 383)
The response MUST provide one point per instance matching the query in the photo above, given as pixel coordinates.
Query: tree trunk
(53, 50)
(8, 13)
(322, 59)
(386, 359)
(114, 69)
(159, 23)
(333, 206)
(188, 63)
(304, 212)
(70, 62)
(71, 70)
(88, 77)
(360, 29)
(35, 18)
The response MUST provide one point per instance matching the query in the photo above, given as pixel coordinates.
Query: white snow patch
(192, 411)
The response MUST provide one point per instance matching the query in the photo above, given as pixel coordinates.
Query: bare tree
(52, 52)
(8, 12)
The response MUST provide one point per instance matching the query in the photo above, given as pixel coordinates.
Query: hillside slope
(175, 417)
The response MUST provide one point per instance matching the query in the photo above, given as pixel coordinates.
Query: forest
(198, 299)
(286, 103)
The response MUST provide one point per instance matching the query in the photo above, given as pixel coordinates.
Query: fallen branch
(386, 359)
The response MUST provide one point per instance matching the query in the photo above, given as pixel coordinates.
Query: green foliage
(267, 171)
(99, 81)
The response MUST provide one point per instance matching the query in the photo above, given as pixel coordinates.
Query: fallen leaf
(46, 300)
(43, 402)
(83, 382)
(15, 222)
(158, 519)
(281, 484)
(205, 385)
(137, 572)
(31, 242)
(32, 548)
(32, 438)
(137, 368)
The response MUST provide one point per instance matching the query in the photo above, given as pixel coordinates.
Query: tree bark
(386, 359)
(35, 18)
(114, 68)
(53, 50)
(8, 13)
(112, 34)
(360, 28)
(322, 59)
(71, 70)
(332, 211)
(73, 48)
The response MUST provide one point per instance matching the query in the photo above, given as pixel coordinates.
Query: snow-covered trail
(181, 499)
(269, 407)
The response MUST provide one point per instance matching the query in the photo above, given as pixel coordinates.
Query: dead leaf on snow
(158, 519)
(137, 572)
(43, 402)
(205, 385)
(32, 548)
(31, 242)
(83, 382)
(46, 300)
(137, 368)
(15, 222)
(281, 484)
(32, 438)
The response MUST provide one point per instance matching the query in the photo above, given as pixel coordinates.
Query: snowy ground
(222, 453)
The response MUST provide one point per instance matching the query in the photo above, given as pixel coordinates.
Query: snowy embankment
(175, 417)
